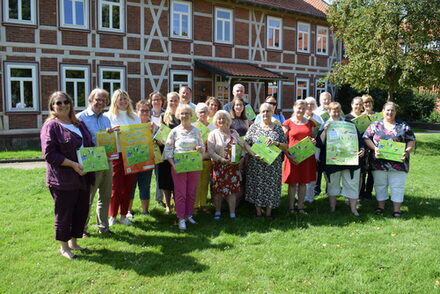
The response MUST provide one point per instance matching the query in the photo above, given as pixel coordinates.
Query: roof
(316, 8)
(241, 70)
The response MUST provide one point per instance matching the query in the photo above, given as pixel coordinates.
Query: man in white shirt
(324, 100)
(185, 94)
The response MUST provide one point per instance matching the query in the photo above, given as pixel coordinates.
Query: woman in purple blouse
(389, 173)
(61, 136)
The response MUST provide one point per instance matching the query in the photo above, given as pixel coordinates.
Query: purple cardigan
(58, 143)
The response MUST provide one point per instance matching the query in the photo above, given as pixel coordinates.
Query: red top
(305, 172)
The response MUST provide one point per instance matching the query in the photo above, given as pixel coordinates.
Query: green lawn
(314, 253)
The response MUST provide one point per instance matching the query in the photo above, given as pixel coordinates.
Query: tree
(390, 44)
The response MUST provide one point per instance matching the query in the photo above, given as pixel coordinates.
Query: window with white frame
(20, 11)
(74, 13)
(111, 15)
(321, 86)
(179, 78)
(321, 40)
(302, 88)
(272, 89)
(181, 19)
(303, 37)
(21, 86)
(274, 32)
(223, 25)
(111, 78)
(75, 81)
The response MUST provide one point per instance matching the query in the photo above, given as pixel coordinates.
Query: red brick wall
(22, 121)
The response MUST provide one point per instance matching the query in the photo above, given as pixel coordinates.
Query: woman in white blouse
(226, 176)
(184, 138)
(121, 113)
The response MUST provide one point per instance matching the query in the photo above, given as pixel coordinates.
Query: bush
(434, 117)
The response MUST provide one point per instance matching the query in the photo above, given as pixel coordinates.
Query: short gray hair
(225, 114)
(201, 106)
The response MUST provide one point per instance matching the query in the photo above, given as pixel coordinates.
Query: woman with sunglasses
(61, 136)
(277, 116)
(121, 113)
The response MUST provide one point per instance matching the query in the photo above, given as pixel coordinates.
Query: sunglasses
(66, 102)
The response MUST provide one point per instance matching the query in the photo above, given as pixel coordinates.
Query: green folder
(302, 150)
(391, 150)
(342, 144)
(362, 122)
(315, 129)
(162, 133)
(267, 153)
(325, 116)
(236, 153)
(137, 153)
(188, 161)
(204, 130)
(250, 113)
(93, 158)
(376, 116)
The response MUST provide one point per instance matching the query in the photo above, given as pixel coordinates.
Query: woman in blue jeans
(143, 179)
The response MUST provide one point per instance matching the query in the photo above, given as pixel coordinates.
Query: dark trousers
(367, 184)
(319, 179)
(71, 211)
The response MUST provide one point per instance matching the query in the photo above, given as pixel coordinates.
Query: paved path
(24, 165)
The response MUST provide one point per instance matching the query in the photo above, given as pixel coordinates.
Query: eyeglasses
(156, 100)
(101, 100)
(144, 110)
(200, 112)
(66, 102)
(272, 103)
(185, 113)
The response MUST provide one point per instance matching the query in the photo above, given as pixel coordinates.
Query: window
(274, 34)
(181, 24)
(302, 88)
(111, 78)
(74, 13)
(111, 15)
(21, 86)
(221, 89)
(75, 82)
(272, 89)
(179, 78)
(20, 11)
(223, 25)
(321, 40)
(321, 86)
(303, 41)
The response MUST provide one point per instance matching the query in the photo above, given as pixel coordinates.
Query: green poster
(93, 158)
(157, 154)
(362, 122)
(391, 150)
(162, 133)
(188, 161)
(250, 113)
(267, 153)
(377, 116)
(204, 130)
(325, 116)
(137, 153)
(236, 153)
(315, 129)
(342, 144)
(302, 150)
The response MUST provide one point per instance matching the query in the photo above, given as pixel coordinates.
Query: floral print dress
(225, 177)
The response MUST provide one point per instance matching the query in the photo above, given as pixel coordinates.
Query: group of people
(231, 169)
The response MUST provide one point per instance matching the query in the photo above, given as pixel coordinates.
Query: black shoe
(105, 232)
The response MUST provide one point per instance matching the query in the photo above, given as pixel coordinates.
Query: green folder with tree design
(93, 158)
(302, 150)
(390, 150)
(342, 144)
(362, 122)
(267, 153)
(162, 133)
(250, 113)
(188, 161)
(204, 130)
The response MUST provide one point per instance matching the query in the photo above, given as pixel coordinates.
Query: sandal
(397, 214)
(379, 211)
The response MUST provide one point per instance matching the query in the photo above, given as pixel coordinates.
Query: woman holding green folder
(263, 181)
(388, 173)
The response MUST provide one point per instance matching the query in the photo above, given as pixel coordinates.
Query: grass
(20, 154)
(314, 253)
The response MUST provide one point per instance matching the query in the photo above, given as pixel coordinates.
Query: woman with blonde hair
(61, 136)
(121, 113)
(168, 118)
(214, 105)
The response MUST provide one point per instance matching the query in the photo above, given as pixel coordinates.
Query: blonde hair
(225, 114)
(168, 115)
(183, 107)
(114, 111)
(334, 105)
(52, 114)
(367, 98)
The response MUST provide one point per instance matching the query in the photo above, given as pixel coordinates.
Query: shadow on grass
(158, 256)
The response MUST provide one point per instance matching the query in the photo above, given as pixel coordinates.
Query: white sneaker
(125, 221)
(190, 219)
(130, 214)
(182, 225)
(112, 221)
